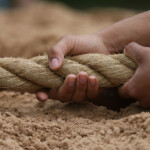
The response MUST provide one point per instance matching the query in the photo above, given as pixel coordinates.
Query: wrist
(103, 45)
(114, 40)
(111, 44)
(133, 29)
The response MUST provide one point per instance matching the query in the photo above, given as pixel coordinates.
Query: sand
(28, 124)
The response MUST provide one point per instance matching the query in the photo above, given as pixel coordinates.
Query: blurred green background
(86, 4)
(132, 4)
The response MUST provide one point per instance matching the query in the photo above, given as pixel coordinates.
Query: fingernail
(71, 82)
(82, 79)
(43, 97)
(54, 63)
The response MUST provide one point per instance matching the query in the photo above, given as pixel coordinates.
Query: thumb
(135, 52)
(56, 53)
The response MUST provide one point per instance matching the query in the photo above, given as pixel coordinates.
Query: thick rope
(33, 74)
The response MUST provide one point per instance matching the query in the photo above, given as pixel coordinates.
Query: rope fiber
(20, 74)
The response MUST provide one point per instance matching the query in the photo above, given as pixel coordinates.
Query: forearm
(133, 29)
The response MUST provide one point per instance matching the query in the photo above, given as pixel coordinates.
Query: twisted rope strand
(33, 74)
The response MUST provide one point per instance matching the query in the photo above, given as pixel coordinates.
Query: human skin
(113, 39)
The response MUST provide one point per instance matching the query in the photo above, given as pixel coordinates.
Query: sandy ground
(28, 124)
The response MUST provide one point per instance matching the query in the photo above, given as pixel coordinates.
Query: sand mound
(26, 123)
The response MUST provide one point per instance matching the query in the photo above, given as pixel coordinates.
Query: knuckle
(66, 37)
(52, 51)
(131, 45)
